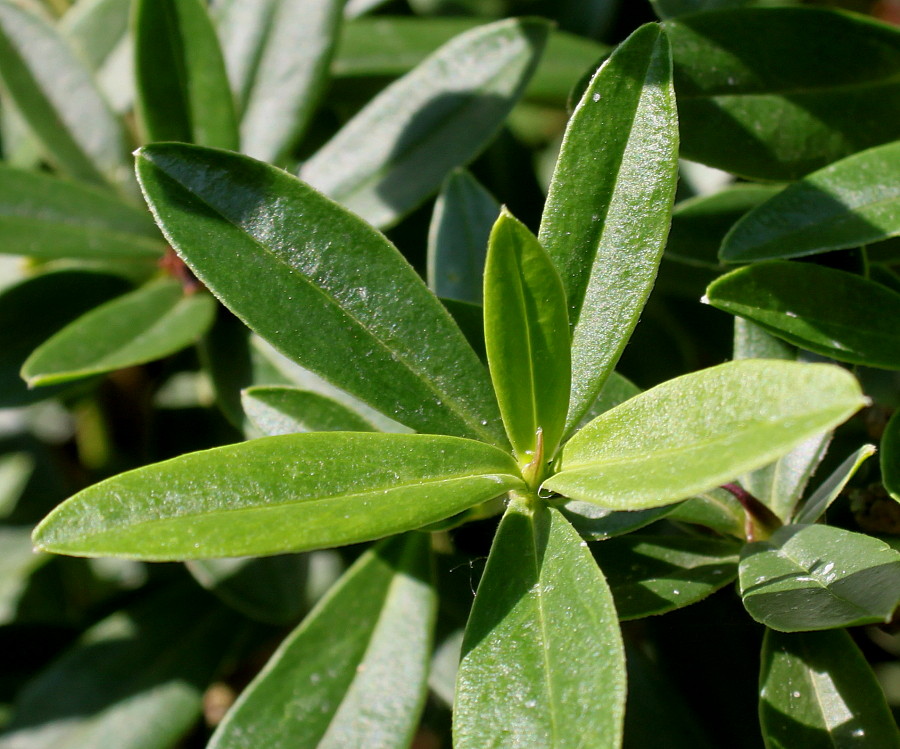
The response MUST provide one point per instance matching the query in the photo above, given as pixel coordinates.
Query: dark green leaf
(595, 523)
(817, 690)
(616, 390)
(183, 90)
(716, 509)
(607, 213)
(831, 312)
(152, 322)
(354, 674)
(227, 214)
(698, 431)
(890, 457)
(527, 341)
(820, 500)
(281, 410)
(824, 85)
(809, 577)
(670, 8)
(542, 660)
(277, 494)
(397, 150)
(654, 574)
(470, 319)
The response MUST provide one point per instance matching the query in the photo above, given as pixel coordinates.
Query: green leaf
(542, 659)
(355, 672)
(526, 336)
(809, 577)
(716, 509)
(670, 8)
(58, 98)
(277, 494)
(464, 214)
(654, 574)
(820, 500)
(226, 214)
(607, 213)
(890, 457)
(824, 85)
(133, 681)
(597, 523)
(821, 309)
(96, 28)
(698, 431)
(616, 390)
(282, 410)
(182, 88)
(470, 319)
(816, 689)
(853, 202)
(149, 323)
(397, 150)
(17, 562)
(45, 217)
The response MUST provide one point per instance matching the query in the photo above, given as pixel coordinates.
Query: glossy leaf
(595, 523)
(654, 574)
(152, 322)
(464, 214)
(355, 672)
(281, 410)
(397, 150)
(832, 312)
(823, 86)
(820, 500)
(527, 341)
(183, 90)
(226, 213)
(542, 654)
(890, 457)
(816, 689)
(58, 98)
(607, 213)
(810, 577)
(701, 430)
(45, 217)
(278, 494)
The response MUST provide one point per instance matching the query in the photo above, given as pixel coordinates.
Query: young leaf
(182, 87)
(831, 312)
(464, 214)
(328, 276)
(398, 149)
(58, 98)
(698, 431)
(282, 410)
(816, 689)
(542, 659)
(809, 577)
(607, 213)
(354, 673)
(277, 494)
(527, 340)
(853, 202)
(820, 500)
(890, 457)
(152, 322)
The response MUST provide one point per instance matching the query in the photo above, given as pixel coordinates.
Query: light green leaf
(58, 98)
(354, 673)
(152, 322)
(319, 274)
(817, 690)
(716, 509)
(277, 494)
(810, 577)
(397, 150)
(527, 341)
(701, 430)
(182, 88)
(464, 214)
(890, 457)
(831, 312)
(616, 390)
(542, 659)
(282, 410)
(95, 28)
(820, 500)
(607, 213)
(17, 562)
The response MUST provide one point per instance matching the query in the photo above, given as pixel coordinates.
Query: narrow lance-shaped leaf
(816, 689)
(810, 577)
(398, 149)
(890, 457)
(152, 322)
(354, 673)
(283, 410)
(298, 268)
(701, 430)
(277, 494)
(59, 99)
(542, 659)
(831, 312)
(182, 86)
(610, 200)
(527, 339)
(820, 500)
